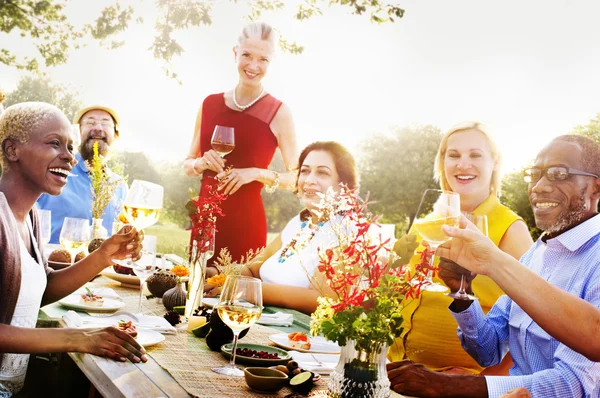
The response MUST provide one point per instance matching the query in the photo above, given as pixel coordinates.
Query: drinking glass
(239, 306)
(146, 265)
(223, 140)
(75, 235)
(481, 222)
(45, 225)
(437, 208)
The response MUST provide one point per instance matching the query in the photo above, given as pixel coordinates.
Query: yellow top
(429, 335)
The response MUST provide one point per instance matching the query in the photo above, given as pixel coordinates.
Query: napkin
(318, 363)
(276, 319)
(143, 322)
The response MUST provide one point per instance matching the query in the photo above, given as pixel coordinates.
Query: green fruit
(180, 309)
(302, 382)
(201, 331)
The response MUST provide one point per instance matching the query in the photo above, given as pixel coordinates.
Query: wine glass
(223, 140)
(481, 222)
(239, 306)
(75, 235)
(45, 225)
(437, 208)
(146, 265)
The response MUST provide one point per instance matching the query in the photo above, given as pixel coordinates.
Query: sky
(529, 69)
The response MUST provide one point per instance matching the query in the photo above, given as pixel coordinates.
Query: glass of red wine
(223, 140)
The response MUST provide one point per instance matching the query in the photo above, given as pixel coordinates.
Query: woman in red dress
(261, 124)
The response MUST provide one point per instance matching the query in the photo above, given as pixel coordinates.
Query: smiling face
(561, 205)
(469, 164)
(253, 56)
(47, 158)
(96, 126)
(317, 174)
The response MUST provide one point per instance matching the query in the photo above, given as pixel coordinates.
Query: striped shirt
(543, 365)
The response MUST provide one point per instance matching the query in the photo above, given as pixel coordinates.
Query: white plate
(146, 338)
(128, 280)
(317, 344)
(209, 302)
(73, 301)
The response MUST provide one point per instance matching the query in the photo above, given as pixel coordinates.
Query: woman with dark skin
(37, 156)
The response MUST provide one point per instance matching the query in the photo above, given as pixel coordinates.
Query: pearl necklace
(244, 107)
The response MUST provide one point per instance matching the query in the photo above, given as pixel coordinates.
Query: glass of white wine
(437, 208)
(223, 140)
(239, 306)
(481, 222)
(75, 235)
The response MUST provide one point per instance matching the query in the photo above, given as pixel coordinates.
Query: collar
(577, 236)
(487, 205)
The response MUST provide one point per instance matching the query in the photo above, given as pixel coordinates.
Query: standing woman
(468, 163)
(37, 157)
(262, 124)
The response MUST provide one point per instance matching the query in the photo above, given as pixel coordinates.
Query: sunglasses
(553, 173)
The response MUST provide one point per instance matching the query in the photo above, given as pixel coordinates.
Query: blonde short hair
(18, 121)
(438, 168)
(260, 30)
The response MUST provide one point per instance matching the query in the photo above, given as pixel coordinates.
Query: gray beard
(574, 216)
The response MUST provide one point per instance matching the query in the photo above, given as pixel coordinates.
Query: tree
(32, 88)
(44, 23)
(396, 168)
(591, 130)
(514, 196)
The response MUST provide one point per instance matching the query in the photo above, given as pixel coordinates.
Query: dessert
(128, 327)
(60, 256)
(89, 298)
(299, 340)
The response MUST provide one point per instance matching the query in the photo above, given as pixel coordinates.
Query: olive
(291, 365)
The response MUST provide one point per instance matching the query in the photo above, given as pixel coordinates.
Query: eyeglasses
(553, 173)
(93, 122)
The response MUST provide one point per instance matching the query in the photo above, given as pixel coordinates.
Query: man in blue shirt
(564, 191)
(96, 124)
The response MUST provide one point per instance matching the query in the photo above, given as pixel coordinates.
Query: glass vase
(98, 230)
(195, 290)
(360, 373)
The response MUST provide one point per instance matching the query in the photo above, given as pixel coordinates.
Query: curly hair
(18, 121)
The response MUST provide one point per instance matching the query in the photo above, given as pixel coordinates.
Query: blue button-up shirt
(76, 200)
(543, 365)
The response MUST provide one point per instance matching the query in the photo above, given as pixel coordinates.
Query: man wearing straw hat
(97, 124)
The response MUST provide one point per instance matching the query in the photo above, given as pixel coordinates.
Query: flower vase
(174, 297)
(360, 373)
(98, 230)
(195, 284)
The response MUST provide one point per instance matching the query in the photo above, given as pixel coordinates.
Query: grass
(173, 239)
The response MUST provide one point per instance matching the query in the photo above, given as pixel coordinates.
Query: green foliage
(36, 88)
(396, 168)
(514, 196)
(591, 130)
(45, 24)
(170, 238)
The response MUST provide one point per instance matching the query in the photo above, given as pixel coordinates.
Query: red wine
(221, 148)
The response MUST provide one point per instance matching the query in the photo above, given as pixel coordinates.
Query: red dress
(244, 225)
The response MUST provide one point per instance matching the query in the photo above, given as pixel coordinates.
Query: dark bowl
(265, 379)
(284, 357)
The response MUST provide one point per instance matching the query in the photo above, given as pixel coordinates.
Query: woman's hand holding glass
(126, 244)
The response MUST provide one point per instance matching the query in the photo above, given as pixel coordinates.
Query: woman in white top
(289, 274)
(37, 157)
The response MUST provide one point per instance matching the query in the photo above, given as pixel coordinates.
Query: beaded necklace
(287, 253)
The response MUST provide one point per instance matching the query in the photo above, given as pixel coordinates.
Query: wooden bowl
(265, 379)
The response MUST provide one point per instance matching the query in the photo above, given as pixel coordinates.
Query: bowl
(265, 379)
(284, 357)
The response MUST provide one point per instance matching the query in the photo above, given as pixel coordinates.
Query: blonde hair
(438, 168)
(260, 30)
(18, 121)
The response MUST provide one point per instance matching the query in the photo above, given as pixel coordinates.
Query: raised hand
(127, 243)
(109, 342)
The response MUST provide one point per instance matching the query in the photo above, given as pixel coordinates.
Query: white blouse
(33, 285)
(297, 268)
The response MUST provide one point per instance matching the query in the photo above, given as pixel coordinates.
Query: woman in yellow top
(468, 162)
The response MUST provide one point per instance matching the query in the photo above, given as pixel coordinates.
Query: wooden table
(126, 379)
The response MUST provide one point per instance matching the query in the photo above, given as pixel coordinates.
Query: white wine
(431, 229)
(141, 217)
(238, 317)
(222, 148)
(72, 246)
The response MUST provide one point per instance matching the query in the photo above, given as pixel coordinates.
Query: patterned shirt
(547, 368)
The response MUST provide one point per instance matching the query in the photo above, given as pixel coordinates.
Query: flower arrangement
(180, 271)
(366, 282)
(103, 187)
(226, 267)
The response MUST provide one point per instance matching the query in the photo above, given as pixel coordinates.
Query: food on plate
(128, 327)
(119, 269)
(90, 298)
(63, 256)
(95, 244)
(246, 352)
(299, 340)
